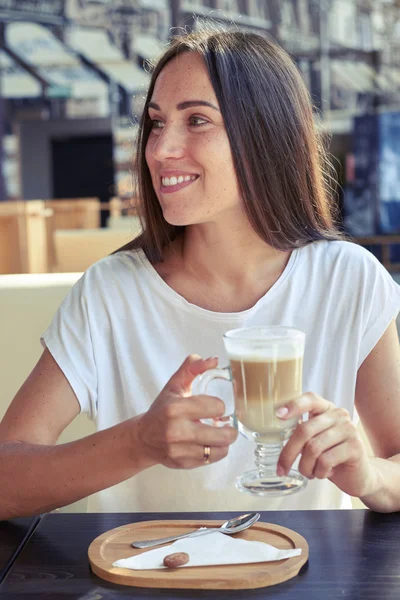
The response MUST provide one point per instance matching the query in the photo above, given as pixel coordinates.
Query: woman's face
(188, 152)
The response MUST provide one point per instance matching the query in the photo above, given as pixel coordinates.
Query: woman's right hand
(171, 432)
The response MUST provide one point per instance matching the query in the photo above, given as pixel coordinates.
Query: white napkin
(208, 549)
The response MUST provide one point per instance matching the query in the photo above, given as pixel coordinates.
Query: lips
(178, 181)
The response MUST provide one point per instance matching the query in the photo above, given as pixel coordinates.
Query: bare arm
(378, 404)
(40, 476)
(37, 476)
(329, 445)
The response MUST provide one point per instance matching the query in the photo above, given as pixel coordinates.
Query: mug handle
(200, 385)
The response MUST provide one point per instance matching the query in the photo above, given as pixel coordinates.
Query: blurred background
(72, 80)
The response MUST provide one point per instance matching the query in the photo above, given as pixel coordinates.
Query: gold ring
(206, 455)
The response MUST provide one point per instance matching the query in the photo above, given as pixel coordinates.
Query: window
(365, 31)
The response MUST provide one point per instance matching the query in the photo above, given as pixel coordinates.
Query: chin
(178, 219)
(179, 222)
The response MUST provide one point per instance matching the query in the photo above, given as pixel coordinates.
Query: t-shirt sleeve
(69, 341)
(380, 304)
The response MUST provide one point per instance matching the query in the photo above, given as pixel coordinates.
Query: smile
(176, 183)
(170, 181)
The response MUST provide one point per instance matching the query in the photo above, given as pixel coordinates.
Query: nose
(168, 144)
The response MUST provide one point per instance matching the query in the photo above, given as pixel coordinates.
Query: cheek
(220, 157)
(219, 146)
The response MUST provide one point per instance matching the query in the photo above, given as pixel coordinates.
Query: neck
(211, 253)
(222, 269)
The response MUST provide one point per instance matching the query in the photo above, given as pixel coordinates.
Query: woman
(238, 232)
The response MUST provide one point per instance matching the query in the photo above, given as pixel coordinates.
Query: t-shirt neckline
(174, 296)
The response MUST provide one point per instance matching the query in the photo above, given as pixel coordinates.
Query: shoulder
(115, 266)
(336, 249)
(108, 279)
(343, 256)
(349, 270)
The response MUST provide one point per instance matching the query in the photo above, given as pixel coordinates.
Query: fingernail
(280, 471)
(211, 358)
(282, 412)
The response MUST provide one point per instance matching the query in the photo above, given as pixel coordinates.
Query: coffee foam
(266, 354)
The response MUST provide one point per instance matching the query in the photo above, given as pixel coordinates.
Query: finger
(304, 432)
(190, 456)
(216, 454)
(207, 435)
(199, 433)
(332, 458)
(194, 365)
(196, 407)
(301, 435)
(347, 451)
(307, 403)
(186, 430)
(314, 454)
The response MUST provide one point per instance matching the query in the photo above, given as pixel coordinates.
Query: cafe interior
(73, 74)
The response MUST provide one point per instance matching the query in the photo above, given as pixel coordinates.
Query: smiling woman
(238, 232)
(188, 140)
(213, 81)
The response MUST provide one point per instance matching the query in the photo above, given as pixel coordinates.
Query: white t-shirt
(122, 332)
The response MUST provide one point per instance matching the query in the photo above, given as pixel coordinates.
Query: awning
(388, 78)
(15, 82)
(97, 48)
(54, 62)
(41, 11)
(363, 78)
(81, 82)
(358, 77)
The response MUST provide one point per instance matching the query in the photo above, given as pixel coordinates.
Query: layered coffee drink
(262, 384)
(266, 364)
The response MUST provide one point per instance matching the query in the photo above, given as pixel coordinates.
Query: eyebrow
(186, 104)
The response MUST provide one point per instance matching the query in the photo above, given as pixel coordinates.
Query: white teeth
(169, 181)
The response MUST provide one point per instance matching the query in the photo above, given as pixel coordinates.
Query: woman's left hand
(329, 445)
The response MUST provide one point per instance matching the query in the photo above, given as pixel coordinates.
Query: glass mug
(266, 365)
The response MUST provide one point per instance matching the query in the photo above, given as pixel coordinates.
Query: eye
(197, 121)
(156, 124)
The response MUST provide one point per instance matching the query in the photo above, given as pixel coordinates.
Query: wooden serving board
(116, 544)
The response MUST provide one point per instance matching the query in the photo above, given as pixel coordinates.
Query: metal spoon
(233, 526)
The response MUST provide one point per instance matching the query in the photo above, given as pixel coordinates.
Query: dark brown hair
(282, 169)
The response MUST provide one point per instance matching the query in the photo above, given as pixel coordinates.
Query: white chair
(27, 305)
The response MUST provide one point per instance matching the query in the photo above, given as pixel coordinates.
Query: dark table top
(354, 554)
(13, 535)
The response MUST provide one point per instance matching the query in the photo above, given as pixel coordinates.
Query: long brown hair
(281, 166)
